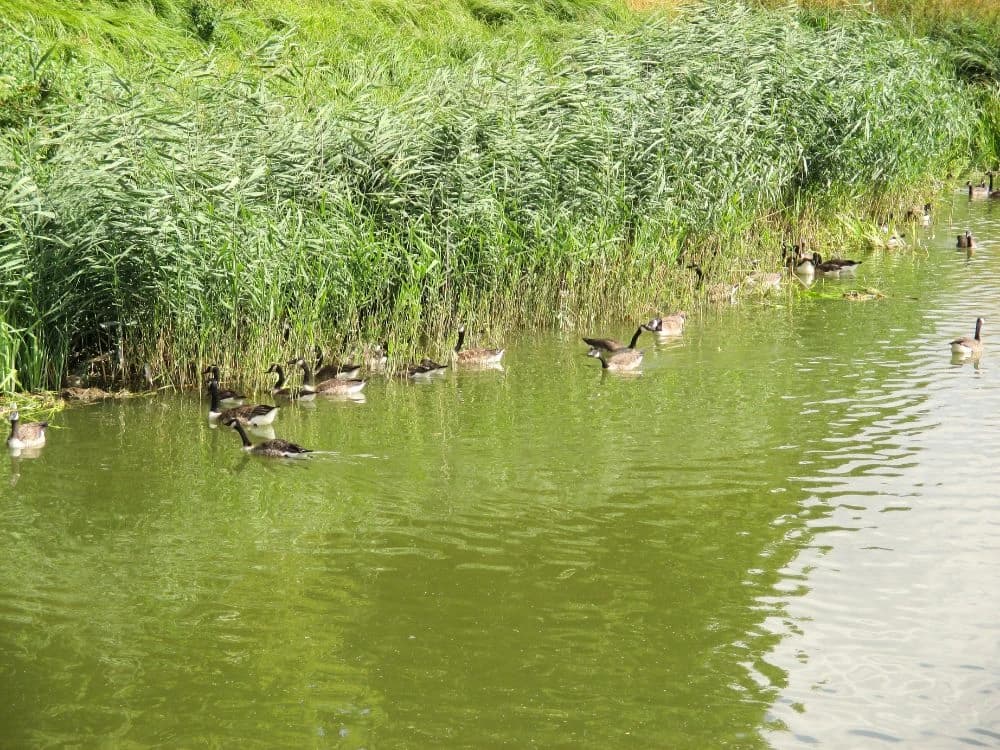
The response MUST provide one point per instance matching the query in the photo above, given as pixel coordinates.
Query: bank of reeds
(190, 210)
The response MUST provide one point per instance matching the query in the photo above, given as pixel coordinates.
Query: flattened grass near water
(208, 201)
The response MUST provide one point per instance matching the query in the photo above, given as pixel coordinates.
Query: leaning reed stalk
(197, 208)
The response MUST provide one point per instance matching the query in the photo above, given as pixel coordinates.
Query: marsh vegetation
(271, 177)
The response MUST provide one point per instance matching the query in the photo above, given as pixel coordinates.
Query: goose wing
(245, 413)
(31, 430)
(478, 355)
(282, 446)
(335, 385)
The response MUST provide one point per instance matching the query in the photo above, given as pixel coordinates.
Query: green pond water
(785, 533)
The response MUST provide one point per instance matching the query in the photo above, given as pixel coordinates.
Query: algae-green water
(783, 533)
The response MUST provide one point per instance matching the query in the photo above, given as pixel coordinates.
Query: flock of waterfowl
(228, 407)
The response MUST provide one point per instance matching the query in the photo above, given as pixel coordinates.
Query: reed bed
(237, 208)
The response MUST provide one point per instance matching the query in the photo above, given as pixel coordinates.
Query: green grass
(352, 169)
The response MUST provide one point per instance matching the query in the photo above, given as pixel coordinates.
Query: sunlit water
(785, 533)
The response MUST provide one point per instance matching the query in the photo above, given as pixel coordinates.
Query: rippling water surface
(785, 533)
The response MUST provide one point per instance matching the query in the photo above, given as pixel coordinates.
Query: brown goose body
(966, 241)
(343, 370)
(623, 360)
(668, 325)
(339, 386)
(481, 356)
(255, 416)
(982, 190)
(335, 386)
(26, 434)
(424, 370)
(969, 346)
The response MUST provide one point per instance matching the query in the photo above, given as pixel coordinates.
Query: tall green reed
(208, 208)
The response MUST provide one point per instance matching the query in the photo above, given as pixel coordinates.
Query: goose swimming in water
(271, 448)
(335, 386)
(834, 267)
(668, 325)
(255, 416)
(982, 190)
(623, 360)
(969, 347)
(226, 397)
(966, 241)
(26, 435)
(342, 370)
(424, 370)
(482, 356)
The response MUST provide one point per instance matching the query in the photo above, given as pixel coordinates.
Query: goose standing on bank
(479, 357)
(271, 448)
(255, 416)
(969, 347)
(226, 397)
(26, 435)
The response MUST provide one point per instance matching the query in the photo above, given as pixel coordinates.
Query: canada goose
(969, 347)
(424, 370)
(799, 264)
(343, 370)
(330, 387)
(718, 292)
(226, 396)
(982, 190)
(256, 416)
(668, 325)
(834, 267)
(923, 215)
(436, 367)
(623, 360)
(479, 356)
(279, 388)
(378, 358)
(270, 448)
(28, 435)
(614, 345)
(765, 281)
